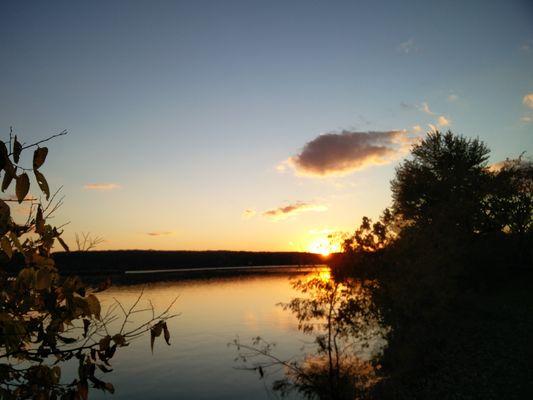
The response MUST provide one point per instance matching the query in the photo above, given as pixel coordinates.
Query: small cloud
(527, 47)
(424, 107)
(527, 119)
(528, 100)
(406, 106)
(293, 209)
(101, 186)
(443, 121)
(160, 233)
(407, 47)
(452, 97)
(417, 128)
(337, 154)
(248, 213)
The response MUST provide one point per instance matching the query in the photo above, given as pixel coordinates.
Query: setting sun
(323, 246)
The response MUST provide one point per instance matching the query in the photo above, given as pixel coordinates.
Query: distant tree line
(118, 261)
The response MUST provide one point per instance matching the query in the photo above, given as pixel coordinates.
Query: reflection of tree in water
(345, 326)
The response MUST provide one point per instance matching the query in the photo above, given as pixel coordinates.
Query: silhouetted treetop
(444, 181)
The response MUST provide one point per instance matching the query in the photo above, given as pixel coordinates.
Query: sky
(253, 125)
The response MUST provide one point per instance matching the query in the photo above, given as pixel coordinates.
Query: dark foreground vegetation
(452, 267)
(447, 275)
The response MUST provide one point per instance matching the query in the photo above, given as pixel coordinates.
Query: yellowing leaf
(16, 241)
(23, 187)
(41, 181)
(39, 156)
(94, 305)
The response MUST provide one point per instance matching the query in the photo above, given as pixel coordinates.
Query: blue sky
(189, 107)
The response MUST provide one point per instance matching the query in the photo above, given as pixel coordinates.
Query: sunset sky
(253, 125)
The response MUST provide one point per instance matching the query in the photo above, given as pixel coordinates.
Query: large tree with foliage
(444, 182)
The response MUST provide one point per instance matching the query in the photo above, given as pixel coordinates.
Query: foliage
(457, 227)
(342, 320)
(443, 183)
(45, 318)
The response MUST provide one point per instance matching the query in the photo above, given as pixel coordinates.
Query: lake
(199, 364)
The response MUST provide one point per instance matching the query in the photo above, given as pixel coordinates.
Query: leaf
(152, 340)
(43, 184)
(39, 221)
(109, 387)
(4, 155)
(22, 187)
(166, 333)
(14, 238)
(104, 343)
(94, 305)
(43, 280)
(6, 246)
(5, 217)
(17, 149)
(39, 156)
(8, 175)
(119, 339)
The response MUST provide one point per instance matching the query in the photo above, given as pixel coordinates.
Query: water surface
(213, 311)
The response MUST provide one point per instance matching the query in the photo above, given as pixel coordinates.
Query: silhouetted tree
(443, 183)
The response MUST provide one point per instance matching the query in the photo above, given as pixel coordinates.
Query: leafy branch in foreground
(46, 318)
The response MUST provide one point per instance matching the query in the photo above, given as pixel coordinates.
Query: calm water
(199, 364)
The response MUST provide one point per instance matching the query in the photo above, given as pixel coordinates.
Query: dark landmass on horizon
(119, 261)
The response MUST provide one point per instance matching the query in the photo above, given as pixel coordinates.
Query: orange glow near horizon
(323, 246)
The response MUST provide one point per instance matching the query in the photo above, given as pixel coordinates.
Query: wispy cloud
(292, 209)
(160, 233)
(443, 121)
(417, 128)
(101, 186)
(452, 97)
(336, 154)
(424, 107)
(407, 47)
(528, 100)
(248, 213)
(527, 119)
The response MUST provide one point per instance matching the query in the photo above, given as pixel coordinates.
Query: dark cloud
(345, 152)
(293, 209)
